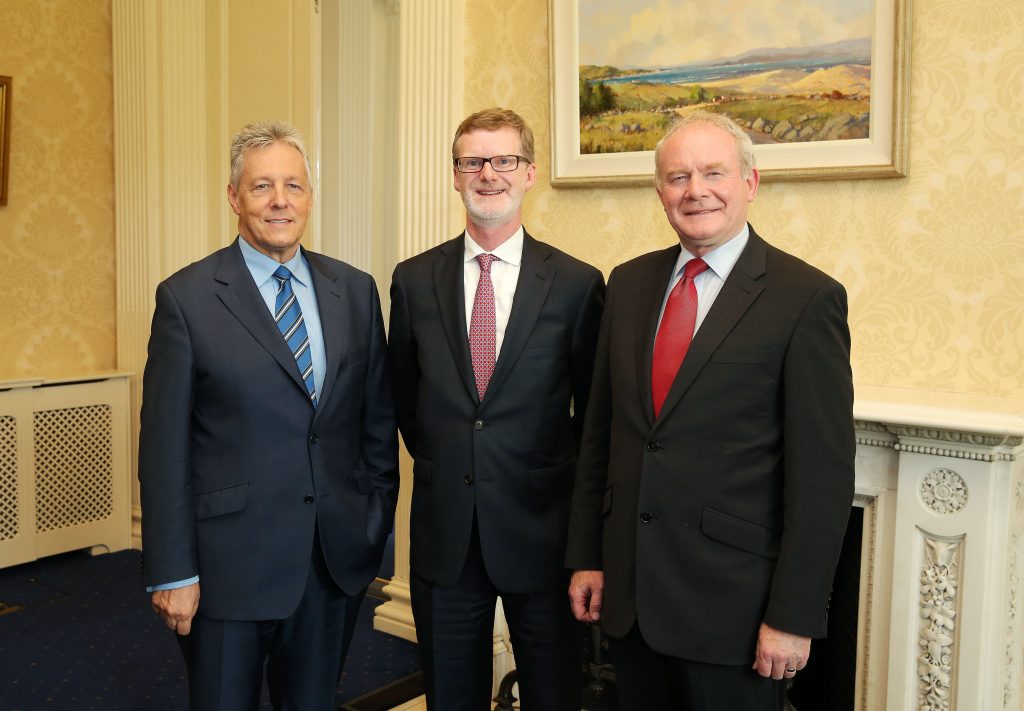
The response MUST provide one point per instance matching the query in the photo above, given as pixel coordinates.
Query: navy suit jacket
(511, 458)
(237, 469)
(729, 508)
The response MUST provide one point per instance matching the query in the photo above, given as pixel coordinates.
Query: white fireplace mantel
(941, 478)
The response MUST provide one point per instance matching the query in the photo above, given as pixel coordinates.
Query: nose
(696, 187)
(280, 196)
(488, 172)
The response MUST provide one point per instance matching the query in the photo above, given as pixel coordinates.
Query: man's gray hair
(744, 146)
(261, 134)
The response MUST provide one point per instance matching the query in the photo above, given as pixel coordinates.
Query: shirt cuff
(171, 586)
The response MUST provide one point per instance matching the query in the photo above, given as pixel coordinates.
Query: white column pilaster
(430, 106)
(160, 187)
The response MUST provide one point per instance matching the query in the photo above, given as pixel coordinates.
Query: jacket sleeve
(819, 449)
(404, 362)
(584, 350)
(583, 549)
(165, 477)
(379, 437)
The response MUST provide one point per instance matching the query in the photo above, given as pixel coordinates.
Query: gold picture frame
(5, 136)
(882, 154)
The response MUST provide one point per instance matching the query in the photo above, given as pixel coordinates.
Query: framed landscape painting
(819, 85)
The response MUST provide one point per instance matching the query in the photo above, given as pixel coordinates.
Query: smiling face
(272, 200)
(493, 200)
(701, 187)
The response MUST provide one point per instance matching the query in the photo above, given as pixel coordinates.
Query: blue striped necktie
(292, 326)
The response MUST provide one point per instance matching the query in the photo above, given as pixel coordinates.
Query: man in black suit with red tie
(716, 472)
(491, 343)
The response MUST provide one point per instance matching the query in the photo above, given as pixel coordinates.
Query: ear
(531, 175)
(752, 182)
(233, 199)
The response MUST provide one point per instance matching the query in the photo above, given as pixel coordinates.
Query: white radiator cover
(64, 466)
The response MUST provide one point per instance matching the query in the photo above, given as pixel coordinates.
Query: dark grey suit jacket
(512, 457)
(237, 468)
(728, 509)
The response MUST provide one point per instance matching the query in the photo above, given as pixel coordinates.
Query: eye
(503, 161)
(295, 187)
(260, 187)
(472, 163)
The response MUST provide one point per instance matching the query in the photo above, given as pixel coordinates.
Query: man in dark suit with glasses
(491, 344)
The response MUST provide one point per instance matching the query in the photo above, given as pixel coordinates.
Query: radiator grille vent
(74, 471)
(8, 478)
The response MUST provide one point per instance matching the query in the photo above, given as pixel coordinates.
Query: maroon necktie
(675, 333)
(481, 326)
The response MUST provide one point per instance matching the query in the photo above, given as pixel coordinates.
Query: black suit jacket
(512, 457)
(728, 509)
(237, 468)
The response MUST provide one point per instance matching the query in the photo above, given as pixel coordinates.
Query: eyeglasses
(500, 164)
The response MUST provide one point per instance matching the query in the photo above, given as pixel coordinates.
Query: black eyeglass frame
(519, 159)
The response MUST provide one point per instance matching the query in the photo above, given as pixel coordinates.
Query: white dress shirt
(708, 283)
(504, 277)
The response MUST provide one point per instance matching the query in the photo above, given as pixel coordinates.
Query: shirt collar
(722, 258)
(510, 251)
(263, 267)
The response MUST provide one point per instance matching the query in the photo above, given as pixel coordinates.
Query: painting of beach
(788, 71)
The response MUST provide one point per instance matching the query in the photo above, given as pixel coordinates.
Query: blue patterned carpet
(77, 633)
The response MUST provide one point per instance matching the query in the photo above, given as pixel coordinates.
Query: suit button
(478, 425)
(308, 499)
(646, 516)
(653, 446)
(468, 479)
(313, 439)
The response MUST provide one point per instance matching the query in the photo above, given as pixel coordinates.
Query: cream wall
(57, 229)
(932, 263)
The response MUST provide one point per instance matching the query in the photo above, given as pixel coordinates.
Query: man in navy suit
(268, 449)
(492, 346)
(716, 473)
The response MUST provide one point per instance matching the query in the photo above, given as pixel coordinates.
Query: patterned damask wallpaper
(933, 263)
(57, 229)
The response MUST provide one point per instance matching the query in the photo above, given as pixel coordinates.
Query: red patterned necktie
(675, 333)
(481, 326)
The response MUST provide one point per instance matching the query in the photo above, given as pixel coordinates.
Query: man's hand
(780, 655)
(586, 592)
(177, 607)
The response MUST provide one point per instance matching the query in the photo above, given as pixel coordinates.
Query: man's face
(701, 189)
(493, 199)
(272, 200)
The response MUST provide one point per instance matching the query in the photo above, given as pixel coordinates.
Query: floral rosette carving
(944, 491)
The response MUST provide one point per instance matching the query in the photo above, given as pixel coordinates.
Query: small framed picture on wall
(5, 136)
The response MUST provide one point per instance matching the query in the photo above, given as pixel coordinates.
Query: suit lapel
(451, 302)
(535, 278)
(333, 323)
(652, 293)
(241, 297)
(740, 290)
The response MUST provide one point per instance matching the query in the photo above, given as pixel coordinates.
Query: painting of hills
(787, 71)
